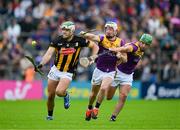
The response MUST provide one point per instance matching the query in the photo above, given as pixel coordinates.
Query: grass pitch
(136, 115)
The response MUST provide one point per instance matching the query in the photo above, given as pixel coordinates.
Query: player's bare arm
(95, 49)
(90, 36)
(123, 49)
(47, 55)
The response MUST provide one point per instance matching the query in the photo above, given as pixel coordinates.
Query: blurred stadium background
(157, 76)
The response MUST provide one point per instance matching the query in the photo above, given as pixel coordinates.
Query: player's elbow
(95, 47)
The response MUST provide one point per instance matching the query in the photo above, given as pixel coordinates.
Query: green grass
(136, 115)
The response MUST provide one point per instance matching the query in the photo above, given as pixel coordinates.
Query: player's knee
(103, 89)
(60, 93)
(109, 97)
(123, 97)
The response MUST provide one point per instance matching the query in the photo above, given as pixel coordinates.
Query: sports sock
(65, 94)
(97, 105)
(90, 107)
(50, 113)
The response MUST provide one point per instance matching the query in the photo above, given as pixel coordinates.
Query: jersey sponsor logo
(67, 51)
(77, 44)
(60, 44)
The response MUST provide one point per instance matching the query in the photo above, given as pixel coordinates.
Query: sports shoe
(88, 115)
(67, 101)
(95, 113)
(49, 118)
(113, 118)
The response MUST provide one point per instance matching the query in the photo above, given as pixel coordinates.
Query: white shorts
(122, 79)
(98, 76)
(55, 74)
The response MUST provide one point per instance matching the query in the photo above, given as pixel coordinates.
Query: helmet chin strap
(110, 37)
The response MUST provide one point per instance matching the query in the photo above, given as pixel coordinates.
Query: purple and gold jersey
(107, 62)
(133, 58)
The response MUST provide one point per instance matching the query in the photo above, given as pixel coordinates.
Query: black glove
(38, 67)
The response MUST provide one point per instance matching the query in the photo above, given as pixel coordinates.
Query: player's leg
(123, 93)
(125, 81)
(106, 82)
(93, 94)
(112, 89)
(52, 84)
(62, 87)
(61, 91)
(95, 81)
(92, 97)
(53, 81)
(110, 92)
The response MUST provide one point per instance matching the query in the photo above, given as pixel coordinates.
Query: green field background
(136, 115)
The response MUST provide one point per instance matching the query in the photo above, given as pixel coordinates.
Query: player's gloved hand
(38, 67)
(82, 33)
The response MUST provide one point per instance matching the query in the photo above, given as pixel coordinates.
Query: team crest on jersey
(76, 44)
(67, 51)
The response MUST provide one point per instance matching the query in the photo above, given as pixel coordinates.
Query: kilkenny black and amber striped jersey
(67, 52)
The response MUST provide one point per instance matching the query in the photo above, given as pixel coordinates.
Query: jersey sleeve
(54, 43)
(101, 37)
(84, 42)
(122, 43)
(133, 46)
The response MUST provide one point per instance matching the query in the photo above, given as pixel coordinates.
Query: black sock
(90, 107)
(65, 94)
(97, 105)
(50, 113)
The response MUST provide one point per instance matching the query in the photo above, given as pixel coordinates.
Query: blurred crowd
(22, 21)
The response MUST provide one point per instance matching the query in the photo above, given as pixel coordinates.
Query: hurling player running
(124, 77)
(67, 48)
(104, 72)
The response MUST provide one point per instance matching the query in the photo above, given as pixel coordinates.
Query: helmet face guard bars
(112, 25)
(68, 25)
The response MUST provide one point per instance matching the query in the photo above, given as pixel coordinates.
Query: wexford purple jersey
(107, 62)
(133, 58)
